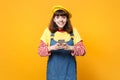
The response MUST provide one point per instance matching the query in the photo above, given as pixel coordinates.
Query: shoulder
(47, 31)
(75, 30)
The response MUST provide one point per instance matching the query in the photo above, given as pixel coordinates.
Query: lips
(61, 23)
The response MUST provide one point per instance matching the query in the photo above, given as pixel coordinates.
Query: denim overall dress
(61, 64)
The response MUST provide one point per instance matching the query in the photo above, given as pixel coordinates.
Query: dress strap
(52, 35)
(72, 35)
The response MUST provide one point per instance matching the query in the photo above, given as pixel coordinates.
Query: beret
(59, 7)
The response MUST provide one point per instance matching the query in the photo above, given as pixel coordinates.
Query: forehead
(60, 16)
(60, 13)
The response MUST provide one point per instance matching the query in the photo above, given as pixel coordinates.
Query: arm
(77, 50)
(43, 49)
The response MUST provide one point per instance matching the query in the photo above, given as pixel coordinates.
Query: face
(60, 21)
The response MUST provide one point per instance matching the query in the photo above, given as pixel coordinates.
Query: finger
(60, 47)
(58, 44)
(64, 47)
(73, 54)
(65, 44)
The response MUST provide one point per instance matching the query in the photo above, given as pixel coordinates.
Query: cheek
(65, 20)
(54, 19)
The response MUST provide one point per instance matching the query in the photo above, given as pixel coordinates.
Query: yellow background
(22, 22)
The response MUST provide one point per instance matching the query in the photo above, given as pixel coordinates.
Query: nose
(60, 18)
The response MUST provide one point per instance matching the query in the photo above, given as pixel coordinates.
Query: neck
(60, 30)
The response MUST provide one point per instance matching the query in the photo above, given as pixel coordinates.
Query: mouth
(61, 23)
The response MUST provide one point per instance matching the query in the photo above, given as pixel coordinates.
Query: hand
(55, 47)
(67, 47)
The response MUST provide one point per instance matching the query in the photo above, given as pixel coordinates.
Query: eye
(63, 17)
(57, 17)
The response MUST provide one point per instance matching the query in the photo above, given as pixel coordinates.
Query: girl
(61, 42)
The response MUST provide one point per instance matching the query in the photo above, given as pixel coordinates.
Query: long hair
(68, 27)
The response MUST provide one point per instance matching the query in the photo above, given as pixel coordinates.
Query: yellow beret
(59, 7)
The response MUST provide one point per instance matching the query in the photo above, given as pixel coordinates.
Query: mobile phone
(61, 41)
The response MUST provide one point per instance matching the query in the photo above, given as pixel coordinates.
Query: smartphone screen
(61, 41)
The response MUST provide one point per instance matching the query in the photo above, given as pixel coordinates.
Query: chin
(61, 26)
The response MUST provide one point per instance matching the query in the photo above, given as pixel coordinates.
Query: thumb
(58, 44)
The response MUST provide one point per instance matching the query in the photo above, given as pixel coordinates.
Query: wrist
(71, 48)
(49, 48)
